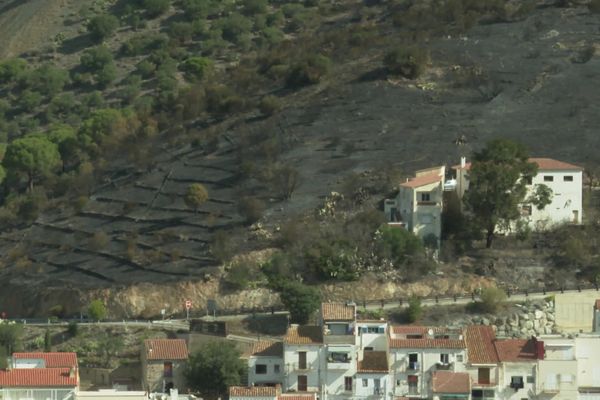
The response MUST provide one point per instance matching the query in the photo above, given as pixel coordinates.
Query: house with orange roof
(518, 366)
(163, 364)
(564, 179)
(265, 363)
(416, 352)
(52, 376)
(419, 203)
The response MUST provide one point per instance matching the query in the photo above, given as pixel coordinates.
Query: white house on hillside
(564, 179)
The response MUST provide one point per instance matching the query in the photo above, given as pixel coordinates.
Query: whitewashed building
(564, 179)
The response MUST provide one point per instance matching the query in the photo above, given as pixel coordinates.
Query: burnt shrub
(409, 62)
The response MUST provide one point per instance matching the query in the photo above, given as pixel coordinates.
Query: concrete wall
(587, 352)
(361, 390)
(524, 370)
(574, 312)
(271, 376)
(154, 380)
(314, 364)
(567, 198)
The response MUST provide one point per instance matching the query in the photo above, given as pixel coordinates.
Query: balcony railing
(444, 366)
(413, 366)
(339, 339)
(551, 388)
(428, 203)
(483, 383)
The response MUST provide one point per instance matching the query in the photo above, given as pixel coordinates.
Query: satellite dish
(430, 332)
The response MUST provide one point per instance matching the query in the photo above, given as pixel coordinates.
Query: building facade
(163, 365)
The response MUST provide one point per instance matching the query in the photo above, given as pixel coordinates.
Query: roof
(427, 343)
(480, 344)
(423, 180)
(267, 348)
(516, 350)
(338, 312)
(373, 361)
(450, 382)
(254, 391)
(165, 349)
(51, 360)
(545, 164)
(297, 396)
(305, 334)
(38, 377)
(419, 330)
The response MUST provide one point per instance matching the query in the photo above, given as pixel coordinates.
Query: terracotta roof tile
(165, 349)
(297, 396)
(267, 348)
(254, 391)
(544, 164)
(38, 378)
(427, 343)
(480, 344)
(51, 360)
(423, 180)
(547, 164)
(373, 361)
(305, 334)
(450, 382)
(516, 350)
(338, 312)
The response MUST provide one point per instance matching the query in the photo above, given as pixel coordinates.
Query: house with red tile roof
(419, 203)
(450, 385)
(518, 364)
(265, 363)
(40, 376)
(416, 352)
(163, 364)
(564, 179)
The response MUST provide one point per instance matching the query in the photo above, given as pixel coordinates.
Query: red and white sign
(188, 304)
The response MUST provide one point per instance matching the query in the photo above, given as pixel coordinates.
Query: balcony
(339, 339)
(338, 360)
(481, 383)
(550, 388)
(444, 366)
(302, 366)
(427, 203)
(378, 391)
(413, 366)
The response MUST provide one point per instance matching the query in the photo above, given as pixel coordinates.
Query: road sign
(188, 304)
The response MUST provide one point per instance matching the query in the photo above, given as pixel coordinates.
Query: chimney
(463, 162)
(539, 349)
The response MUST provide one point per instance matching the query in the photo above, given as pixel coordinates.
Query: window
(302, 383)
(398, 382)
(526, 210)
(276, 368)
(483, 375)
(377, 382)
(425, 196)
(302, 360)
(368, 348)
(414, 336)
(337, 357)
(413, 384)
(365, 382)
(459, 358)
(348, 383)
(375, 329)
(531, 379)
(445, 358)
(516, 382)
(168, 369)
(568, 178)
(413, 361)
(260, 369)
(548, 178)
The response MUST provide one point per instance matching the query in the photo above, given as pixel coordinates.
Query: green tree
(195, 196)
(11, 69)
(234, 27)
(414, 310)
(195, 9)
(252, 7)
(154, 8)
(102, 26)
(11, 336)
(196, 68)
(33, 156)
(300, 300)
(397, 244)
(214, 368)
(498, 185)
(96, 310)
(2, 174)
(47, 341)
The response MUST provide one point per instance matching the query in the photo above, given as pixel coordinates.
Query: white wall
(271, 376)
(314, 364)
(385, 385)
(567, 198)
(524, 370)
(587, 352)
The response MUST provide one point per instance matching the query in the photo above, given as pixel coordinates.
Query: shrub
(300, 300)
(146, 69)
(195, 9)
(29, 100)
(414, 310)
(397, 244)
(102, 26)
(154, 8)
(251, 209)
(195, 196)
(142, 44)
(252, 7)
(73, 329)
(181, 31)
(308, 71)
(221, 100)
(96, 310)
(11, 70)
(196, 68)
(409, 62)
(269, 105)
(594, 6)
(271, 35)
(234, 27)
(99, 241)
(96, 58)
(46, 79)
(285, 180)
(239, 276)
(491, 299)
(332, 260)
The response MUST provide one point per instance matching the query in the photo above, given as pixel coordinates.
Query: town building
(163, 365)
(40, 376)
(344, 357)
